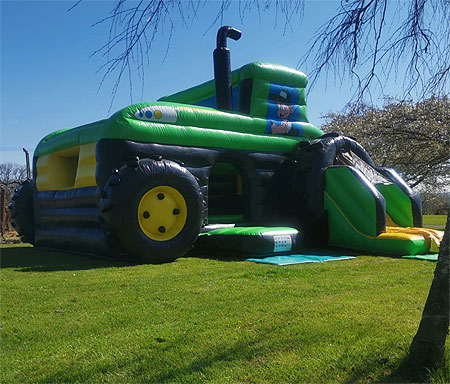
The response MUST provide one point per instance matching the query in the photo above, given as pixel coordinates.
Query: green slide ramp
(398, 205)
(357, 215)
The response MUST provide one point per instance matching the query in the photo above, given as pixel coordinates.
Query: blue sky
(50, 81)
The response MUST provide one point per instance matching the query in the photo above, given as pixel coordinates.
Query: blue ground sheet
(429, 257)
(298, 259)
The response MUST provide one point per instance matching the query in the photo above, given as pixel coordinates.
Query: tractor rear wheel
(152, 210)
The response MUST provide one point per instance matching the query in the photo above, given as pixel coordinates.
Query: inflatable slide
(367, 207)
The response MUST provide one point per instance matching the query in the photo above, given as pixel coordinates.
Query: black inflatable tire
(22, 212)
(124, 224)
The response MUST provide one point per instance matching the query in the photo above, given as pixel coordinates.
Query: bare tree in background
(11, 175)
(413, 138)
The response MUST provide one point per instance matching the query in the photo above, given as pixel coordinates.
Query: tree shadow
(140, 362)
(31, 259)
(406, 372)
(402, 371)
(233, 352)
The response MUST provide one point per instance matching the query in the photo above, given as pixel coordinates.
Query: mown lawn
(71, 318)
(435, 221)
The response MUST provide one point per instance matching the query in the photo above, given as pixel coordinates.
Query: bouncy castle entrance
(225, 194)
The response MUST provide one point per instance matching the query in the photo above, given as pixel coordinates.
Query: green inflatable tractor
(232, 164)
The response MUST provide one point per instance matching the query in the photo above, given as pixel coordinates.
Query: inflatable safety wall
(271, 92)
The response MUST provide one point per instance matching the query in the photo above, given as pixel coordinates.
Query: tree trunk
(427, 348)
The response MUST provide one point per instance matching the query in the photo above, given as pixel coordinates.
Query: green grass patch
(435, 221)
(72, 318)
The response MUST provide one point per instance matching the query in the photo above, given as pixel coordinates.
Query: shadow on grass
(138, 368)
(402, 371)
(216, 254)
(30, 259)
(225, 255)
(406, 373)
(35, 259)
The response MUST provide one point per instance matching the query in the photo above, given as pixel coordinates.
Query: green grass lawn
(71, 318)
(435, 221)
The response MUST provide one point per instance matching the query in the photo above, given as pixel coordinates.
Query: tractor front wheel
(22, 211)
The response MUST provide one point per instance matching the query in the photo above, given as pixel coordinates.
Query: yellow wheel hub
(162, 213)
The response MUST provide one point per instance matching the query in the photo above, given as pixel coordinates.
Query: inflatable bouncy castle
(232, 164)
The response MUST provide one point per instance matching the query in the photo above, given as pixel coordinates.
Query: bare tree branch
(358, 42)
(134, 26)
(371, 41)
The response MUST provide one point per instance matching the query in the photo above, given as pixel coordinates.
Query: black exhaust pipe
(222, 67)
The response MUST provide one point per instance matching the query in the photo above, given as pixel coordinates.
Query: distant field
(71, 318)
(435, 221)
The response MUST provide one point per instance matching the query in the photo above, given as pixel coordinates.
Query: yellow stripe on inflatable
(432, 236)
(86, 166)
(71, 168)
